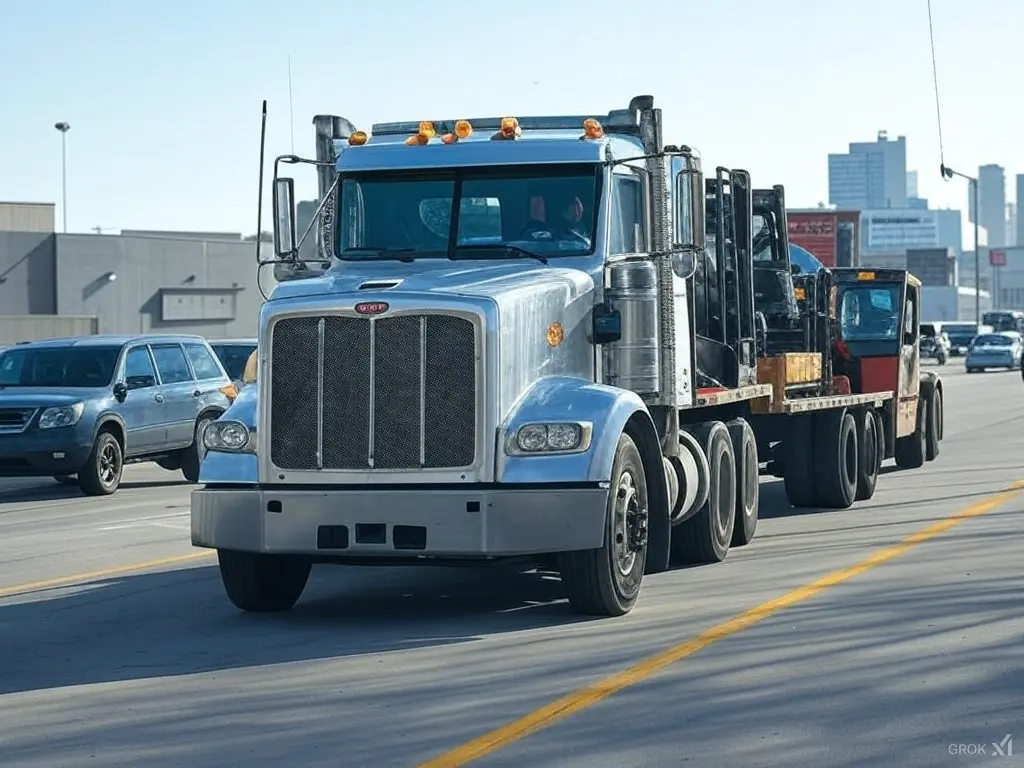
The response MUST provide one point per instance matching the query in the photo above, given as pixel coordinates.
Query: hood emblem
(372, 307)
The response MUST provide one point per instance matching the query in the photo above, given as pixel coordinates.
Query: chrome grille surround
(397, 397)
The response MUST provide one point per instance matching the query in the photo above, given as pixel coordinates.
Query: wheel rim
(628, 512)
(109, 463)
(726, 480)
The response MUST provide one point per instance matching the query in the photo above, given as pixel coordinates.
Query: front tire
(101, 475)
(192, 457)
(263, 583)
(606, 581)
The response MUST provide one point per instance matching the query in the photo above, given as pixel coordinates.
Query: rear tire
(263, 583)
(799, 462)
(870, 441)
(101, 475)
(837, 453)
(606, 581)
(705, 537)
(748, 485)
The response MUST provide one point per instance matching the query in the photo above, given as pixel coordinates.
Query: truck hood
(432, 276)
(45, 397)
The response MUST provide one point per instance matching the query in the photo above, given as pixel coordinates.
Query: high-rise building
(991, 202)
(911, 183)
(1020, 202)
(1011, 223)
(871, 175)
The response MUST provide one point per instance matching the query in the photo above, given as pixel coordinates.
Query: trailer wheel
(933, 429)
(748, 481)
(706, 536)
(910, 450)
(870, 441)
(799, 462)
(606, 581)
(837, 453)
(262, 583)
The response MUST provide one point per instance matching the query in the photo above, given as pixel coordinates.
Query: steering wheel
(535, 229)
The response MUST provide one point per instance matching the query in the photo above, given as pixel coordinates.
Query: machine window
(627, 214)
(870, 313)
(171, 363)
(138, 369)
(203, 363)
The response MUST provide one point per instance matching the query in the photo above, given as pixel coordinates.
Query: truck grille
(15, 419)
(397, 393)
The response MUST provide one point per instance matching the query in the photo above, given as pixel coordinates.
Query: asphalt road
(796, 651)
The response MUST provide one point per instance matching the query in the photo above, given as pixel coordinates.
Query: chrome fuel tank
(633, 362)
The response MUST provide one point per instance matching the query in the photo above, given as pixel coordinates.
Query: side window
(627, 214)
(138, 369)
(910, 321)
(171, 363)
(203, 362)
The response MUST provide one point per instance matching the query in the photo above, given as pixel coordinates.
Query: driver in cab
(568, 223)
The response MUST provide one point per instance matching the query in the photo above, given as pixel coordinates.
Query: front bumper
(62, 451)
(463, 522)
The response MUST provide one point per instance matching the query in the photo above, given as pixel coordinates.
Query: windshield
(870, 313)
(58, 366)
(1001, 321)
(993, 340)
(928, 330)
(233, 357)
(762, 239)
(548, 210)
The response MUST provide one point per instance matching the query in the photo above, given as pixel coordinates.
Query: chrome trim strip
(28, 413)
(320, 342)
(423, 389)
(373, 387)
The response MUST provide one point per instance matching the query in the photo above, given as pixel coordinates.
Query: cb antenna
(259, 202)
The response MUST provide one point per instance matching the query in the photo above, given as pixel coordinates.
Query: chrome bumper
(400, 523)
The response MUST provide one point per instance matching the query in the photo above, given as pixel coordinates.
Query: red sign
(997, 258)
(815, 232)
(372, 307)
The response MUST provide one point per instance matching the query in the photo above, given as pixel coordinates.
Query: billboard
(815, 232)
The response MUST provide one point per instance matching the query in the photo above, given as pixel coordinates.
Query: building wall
(992, 202)
(27, 273)
(870, 175)
(1020, 202)
(889, 230)
(27, 217)
(134, 284)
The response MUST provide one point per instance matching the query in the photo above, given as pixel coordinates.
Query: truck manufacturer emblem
(372, 307)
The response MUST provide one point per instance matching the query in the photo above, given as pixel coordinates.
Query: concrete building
(870, 175)
(27, 217)
(911, 183)
(896, 230)
(127, 284)
(950, 229)
(933, 266)
(1020, 201)
(1011, 224)
(991, 202)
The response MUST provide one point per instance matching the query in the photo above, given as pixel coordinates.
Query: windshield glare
(58, 367)
(549, 211)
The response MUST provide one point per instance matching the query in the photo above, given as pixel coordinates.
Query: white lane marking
(173, 520)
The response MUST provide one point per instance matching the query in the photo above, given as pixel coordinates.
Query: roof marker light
(357, 139)
(592, 129)
(509, 129)
(423, 136)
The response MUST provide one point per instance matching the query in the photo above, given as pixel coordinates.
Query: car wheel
(192, 457)
(101, 475)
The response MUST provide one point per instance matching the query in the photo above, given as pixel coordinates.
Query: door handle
(158, 398)
(197, 393)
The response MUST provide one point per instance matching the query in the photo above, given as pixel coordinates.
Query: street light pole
(949, 173)
(64, 127)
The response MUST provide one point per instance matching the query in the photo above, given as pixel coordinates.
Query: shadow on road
(181, 622)
(59, 491)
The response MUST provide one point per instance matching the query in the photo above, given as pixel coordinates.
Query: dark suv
(85, 407)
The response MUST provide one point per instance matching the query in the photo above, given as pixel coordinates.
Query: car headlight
(61, 416)
(555, 437)
(229, 436)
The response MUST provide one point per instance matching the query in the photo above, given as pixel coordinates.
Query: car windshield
(928, 331)
(58, 366)
(233, 357)
(504, 212)
(870, 313)
(993, 340)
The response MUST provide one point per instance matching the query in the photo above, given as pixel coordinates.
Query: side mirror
(689, 206)
(684, 261)
(120, 391)
(284, 218)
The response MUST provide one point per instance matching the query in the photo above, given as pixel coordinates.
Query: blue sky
(164, 100)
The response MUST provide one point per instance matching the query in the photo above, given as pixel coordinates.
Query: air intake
(379, 285)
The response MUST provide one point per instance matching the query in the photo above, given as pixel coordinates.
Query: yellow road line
(78, 578)
(584, 698)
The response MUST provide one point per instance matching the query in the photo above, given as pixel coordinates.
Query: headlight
(61, 416)
(558, 437)
(230, 436)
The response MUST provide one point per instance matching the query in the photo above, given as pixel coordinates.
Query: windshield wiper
(508, 251)
(384, 253)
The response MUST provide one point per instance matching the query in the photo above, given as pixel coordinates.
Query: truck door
(910, 362)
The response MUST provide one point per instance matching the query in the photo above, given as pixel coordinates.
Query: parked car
(79, 409)
(994, 350)
(935, 343)
(233, 355)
